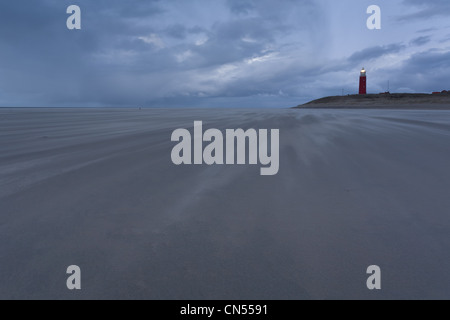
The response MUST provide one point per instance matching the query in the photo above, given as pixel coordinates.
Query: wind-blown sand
(97, 188)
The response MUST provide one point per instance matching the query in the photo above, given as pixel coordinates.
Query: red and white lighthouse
(363, 82)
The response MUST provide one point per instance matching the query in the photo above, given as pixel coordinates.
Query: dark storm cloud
(431, 61)
(426, 30)
(241, 6)
(427, 9)
(432, 65)
(375, 52)
(420, 41)
(177, 31)
(43, 62)
(137, 51)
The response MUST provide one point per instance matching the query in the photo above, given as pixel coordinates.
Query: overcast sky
(217, 53)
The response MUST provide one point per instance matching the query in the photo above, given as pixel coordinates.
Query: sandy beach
(97, 188)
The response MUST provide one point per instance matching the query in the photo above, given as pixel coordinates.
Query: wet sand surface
(97, 188)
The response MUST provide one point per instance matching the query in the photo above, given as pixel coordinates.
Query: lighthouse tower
(363, 82)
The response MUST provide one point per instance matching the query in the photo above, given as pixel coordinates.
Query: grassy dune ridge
(389, 101)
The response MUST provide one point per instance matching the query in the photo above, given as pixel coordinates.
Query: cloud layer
(225, 53)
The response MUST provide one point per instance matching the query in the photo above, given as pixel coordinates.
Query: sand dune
(383, 101)
(97, 188)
